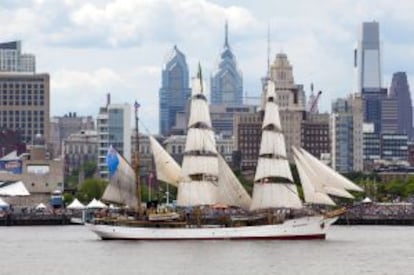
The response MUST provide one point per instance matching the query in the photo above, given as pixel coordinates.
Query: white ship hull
(314, 227)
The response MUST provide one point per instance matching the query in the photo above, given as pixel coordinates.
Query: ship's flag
(112, 160)
(137, 105)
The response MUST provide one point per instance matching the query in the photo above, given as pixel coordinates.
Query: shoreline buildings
(61, 127)
(387, 114)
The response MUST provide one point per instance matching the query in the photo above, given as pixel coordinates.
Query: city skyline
(119, 46)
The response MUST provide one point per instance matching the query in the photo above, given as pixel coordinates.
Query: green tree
(89, 169)
(409, 187)
(248, 185)
(90, 189)
(67, 198)
(395, 188)
(73, 180)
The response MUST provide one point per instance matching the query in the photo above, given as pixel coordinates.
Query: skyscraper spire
(226, 34)
(268, 50)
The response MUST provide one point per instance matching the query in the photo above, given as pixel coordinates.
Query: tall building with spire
(174, 91)
(400, 90)
(226, 80)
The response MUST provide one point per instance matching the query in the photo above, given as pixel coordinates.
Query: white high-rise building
(114, 129)
(346, 134)
(12, 60)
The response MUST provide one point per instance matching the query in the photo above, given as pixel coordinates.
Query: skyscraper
(369, 58)
(368, 63)
(174, 91)
(401, 91)
(226, 80)
(12, 60)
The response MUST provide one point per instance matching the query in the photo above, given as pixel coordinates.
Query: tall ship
(211, 201)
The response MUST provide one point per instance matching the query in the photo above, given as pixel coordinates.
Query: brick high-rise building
(315, 134)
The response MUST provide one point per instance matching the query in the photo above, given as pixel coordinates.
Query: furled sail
(312, 191)
(200, 164)
(121, 188)
(273, 167)
(273, 143)
(331, 177)
(273, 187)
(230, 190)
(166, 167)
(192, 193)
(201, 140)
(199, 111)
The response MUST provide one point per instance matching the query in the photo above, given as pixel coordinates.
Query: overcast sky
(95, 47)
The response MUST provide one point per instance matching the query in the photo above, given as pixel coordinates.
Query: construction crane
(314, 105)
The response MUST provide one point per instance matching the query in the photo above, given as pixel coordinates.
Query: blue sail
(121, 188)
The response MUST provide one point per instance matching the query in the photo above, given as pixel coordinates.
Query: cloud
(126, 23)
(94, 47)
(81, 91)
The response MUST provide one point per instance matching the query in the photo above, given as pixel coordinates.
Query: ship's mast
(137, 161)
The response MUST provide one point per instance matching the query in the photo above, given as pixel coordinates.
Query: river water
(70, 250)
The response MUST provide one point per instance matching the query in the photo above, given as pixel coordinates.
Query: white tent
(76, 204)
(10, 156)
(17, 188)
(113, 207)
(96, 204)
(366, 200)
(41, 206)
(3, 203)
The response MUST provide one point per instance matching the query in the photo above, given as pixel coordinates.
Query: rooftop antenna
(226, 34)
(268, 50)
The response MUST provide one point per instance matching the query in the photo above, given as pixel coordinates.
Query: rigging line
(289, 188)
(144, 126)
